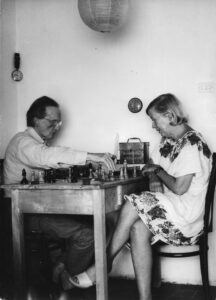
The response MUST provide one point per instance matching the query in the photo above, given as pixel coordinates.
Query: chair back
(1, 170)
(208, 214)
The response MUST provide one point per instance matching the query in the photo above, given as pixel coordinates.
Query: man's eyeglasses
(54, 123)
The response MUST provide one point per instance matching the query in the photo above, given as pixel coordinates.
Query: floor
(39, 288)
(119, 289)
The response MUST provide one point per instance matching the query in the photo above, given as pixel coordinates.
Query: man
(30, 150)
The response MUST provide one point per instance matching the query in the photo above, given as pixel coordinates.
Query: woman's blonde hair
(168, 103)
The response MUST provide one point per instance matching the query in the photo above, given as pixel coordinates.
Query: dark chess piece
(90, 173)
(103, 177)
(52, 176)
(72, 174)
(70, 170)
(125, 171)
(100, 171)
(24, 180)
(111, 176)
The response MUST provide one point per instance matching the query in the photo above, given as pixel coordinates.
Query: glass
(54, 123)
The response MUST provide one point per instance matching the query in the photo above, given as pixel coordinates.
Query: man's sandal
(81, 281)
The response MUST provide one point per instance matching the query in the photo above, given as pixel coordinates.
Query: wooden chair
(202, 244)
(1, 228)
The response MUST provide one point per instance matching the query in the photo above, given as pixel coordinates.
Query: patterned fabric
(177, 219)
(155, 218)
(171, 149)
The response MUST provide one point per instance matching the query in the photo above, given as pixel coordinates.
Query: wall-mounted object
(135, 105)
(17, 75)
(103, 15)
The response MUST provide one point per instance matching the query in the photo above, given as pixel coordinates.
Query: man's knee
(82, 238)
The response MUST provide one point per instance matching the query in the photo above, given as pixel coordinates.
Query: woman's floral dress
(177, 219)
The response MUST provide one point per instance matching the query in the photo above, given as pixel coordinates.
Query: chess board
(83, 173)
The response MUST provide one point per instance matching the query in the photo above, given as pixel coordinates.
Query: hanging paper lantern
(103, 15)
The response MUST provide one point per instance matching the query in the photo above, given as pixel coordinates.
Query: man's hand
(101, 158)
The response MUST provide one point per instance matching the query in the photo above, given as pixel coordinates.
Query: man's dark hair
(38, 109)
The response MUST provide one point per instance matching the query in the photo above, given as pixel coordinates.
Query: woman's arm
(178, 185)
(155, 184)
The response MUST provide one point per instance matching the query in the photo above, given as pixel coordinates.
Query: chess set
(85, 173)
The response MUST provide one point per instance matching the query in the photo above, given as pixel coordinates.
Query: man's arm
(39, 155)
(104, 158)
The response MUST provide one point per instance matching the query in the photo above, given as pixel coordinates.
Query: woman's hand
(149, 168)
(155, 186)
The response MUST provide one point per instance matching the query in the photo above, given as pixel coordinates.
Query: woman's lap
(155, 217)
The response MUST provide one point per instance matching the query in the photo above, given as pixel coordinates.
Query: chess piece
(32, 176)
(90, 174)
(41, 176)
(121, 174)
(46, 175)
(52, 178)
(111, 176)
(70, 174)
(103, 175)
(24, 180)
(99, 171)
(134, 172)
(73, 174)
(95, 173)
(125, 172)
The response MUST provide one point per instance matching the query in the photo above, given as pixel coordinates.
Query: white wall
(8, 92)
(166, 46)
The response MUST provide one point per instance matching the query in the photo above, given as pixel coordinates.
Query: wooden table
(67, 198)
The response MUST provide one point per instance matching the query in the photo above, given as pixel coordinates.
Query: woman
(172, 211)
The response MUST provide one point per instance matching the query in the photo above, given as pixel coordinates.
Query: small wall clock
(17, 75)
(135, 105)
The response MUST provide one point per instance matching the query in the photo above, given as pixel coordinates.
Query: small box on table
(134, 152)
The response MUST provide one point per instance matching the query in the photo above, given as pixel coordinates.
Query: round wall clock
(135, 105)
(17, 75)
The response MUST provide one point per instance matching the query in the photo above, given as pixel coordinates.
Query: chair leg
(156, 271)
(204, 267)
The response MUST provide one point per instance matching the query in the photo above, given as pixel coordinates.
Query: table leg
(18, 247)
(100, 245)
